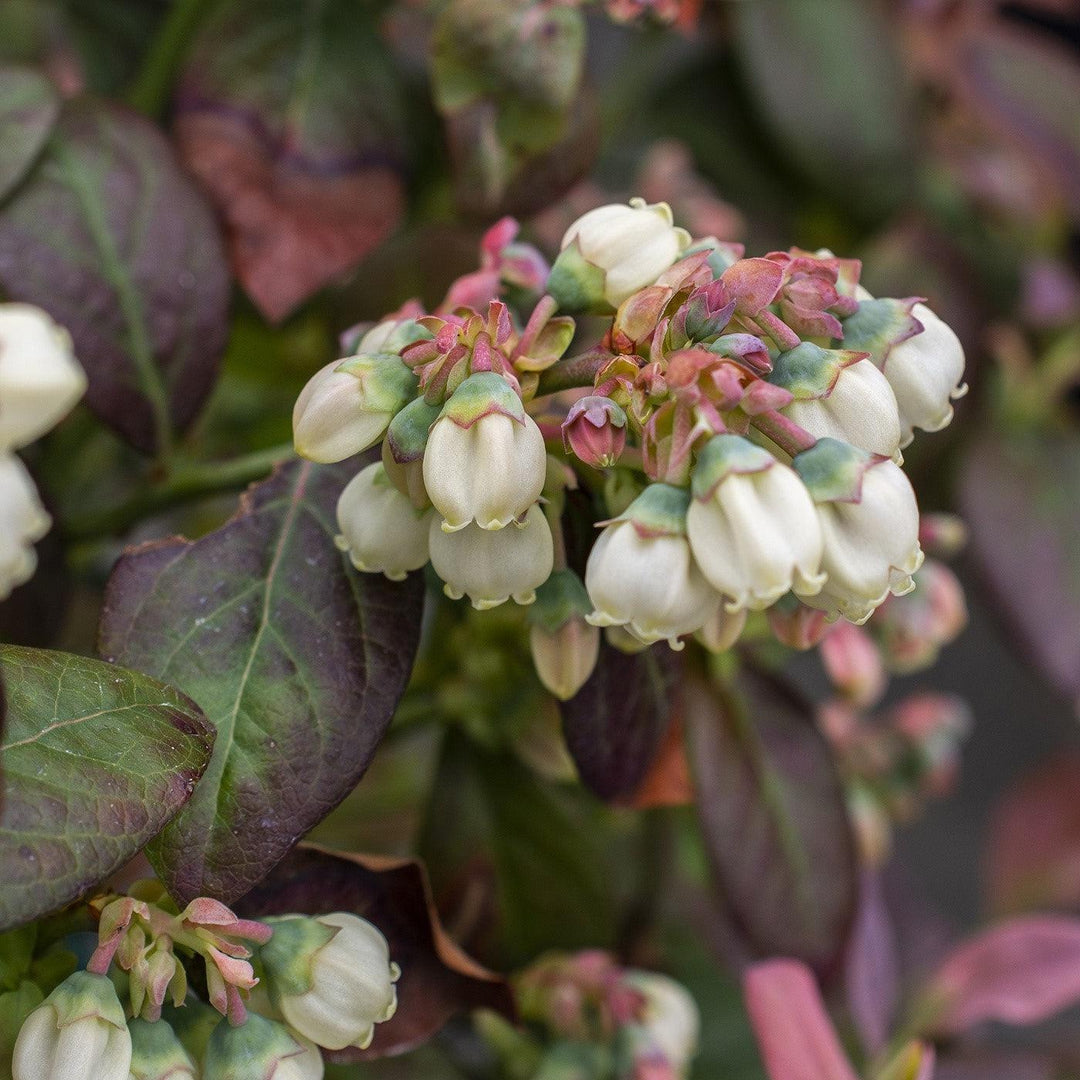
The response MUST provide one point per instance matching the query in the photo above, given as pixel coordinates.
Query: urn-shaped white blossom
(330, 977)
(380, 528)
(925, 372)
(752, 525)
(670, 1019)
(869, 524)
(347, 405)
(491, 566)
(642, 575)
(564, 646)
(839, 396)
(260, 1048)
(612, 251)
(40, 380)
(485, 459)
(22, 521)
(78, 1033)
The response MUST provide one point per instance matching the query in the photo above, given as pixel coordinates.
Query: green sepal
(832, 470)
(16, 955)
(387, 380)
(660, 510)
(561, 598)
(808, 371)
(84, 994)
(156, 1051)
(250, 1050)
(577, 284)
(479, 396)
(878, 325)
(723, 455)
(286, 957)
(408, 431)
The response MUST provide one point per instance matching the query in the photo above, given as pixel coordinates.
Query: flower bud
(752, 525)
(870, 526)
(77, 1033)
(485, 459)
(795, 625)
(564, 646)
(853, 664)
(924, 372)
(406, 476)
(595, 431)
(641, 573)
(260, 1048)
(669, 1020)
(348, 405)
(22, 521)
(331, 978)
(40, 380)
(618, 637)
(611, 252)
(912, 629)
(157, 1054)
(380, 528)
(489, 566)
(849, 401)
(722, 631)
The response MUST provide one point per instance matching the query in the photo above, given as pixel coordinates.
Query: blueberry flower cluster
(742, 418)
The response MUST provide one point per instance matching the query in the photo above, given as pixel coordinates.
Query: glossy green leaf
(29, 106)
(115, 242)
(296, 658)
(95, 761)
(773, 818)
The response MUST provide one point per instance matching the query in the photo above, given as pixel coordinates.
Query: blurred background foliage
(350, 154)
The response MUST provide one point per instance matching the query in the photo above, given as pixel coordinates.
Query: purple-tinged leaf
(773, 816)
(1033, 858)
(296, 659)
(438, 980)
(302, 159)
(95, 761)
(872, 978)
(115, 242)
(794, 1032)
(29, 106)
(1019, 972)
(1018, 496)
(615, 724)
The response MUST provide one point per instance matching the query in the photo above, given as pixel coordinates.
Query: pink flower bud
(853, 664)
(797, 626)
(913, 628)
(595, 431)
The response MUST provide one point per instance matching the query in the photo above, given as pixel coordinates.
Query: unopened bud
(795, 625)
(853, 664)
(331, 977)
(260, 1048)
(669, 1021)
(722, 631)
(942, 535)
(157, 1053)
(595, 431)
(78, 1033)
(912, 629)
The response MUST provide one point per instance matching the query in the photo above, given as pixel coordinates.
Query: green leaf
(95, 761)
(29, 106)
(296, 658)
(773, 817)
(530, 862)
(828, 80)
(15, 1006)
(115, 242)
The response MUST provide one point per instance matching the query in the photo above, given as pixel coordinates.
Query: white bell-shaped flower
(925, 372)
(493, 566)
(611, 252)
(752, 525)
(485, 459)
(641, 574)
(23, 520)
(869, 524)
(331, 977)
(380, 528)
(78, 1033)
(346, 406)
(670, 1019)
(40, 380)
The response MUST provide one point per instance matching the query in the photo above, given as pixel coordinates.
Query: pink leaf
(794, 1033)
(1020, 972)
